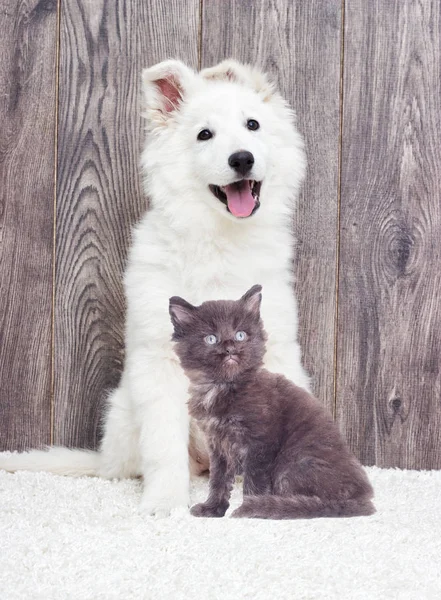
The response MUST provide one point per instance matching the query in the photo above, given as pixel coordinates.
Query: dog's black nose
(242, 162)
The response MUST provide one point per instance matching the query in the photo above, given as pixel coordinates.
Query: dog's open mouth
(241, 197)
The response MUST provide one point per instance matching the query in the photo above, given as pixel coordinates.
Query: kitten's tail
(302, 507)
(57, 460)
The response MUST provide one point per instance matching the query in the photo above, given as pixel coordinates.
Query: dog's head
(219, 140)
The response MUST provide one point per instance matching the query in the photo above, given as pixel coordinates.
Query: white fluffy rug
(64, 538)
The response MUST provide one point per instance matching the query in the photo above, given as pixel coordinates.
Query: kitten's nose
(230, 349)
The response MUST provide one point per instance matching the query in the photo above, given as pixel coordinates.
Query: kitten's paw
(207, 510)
(161, 496)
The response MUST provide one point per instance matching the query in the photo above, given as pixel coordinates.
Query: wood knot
(396, 404)
(400, 249)
(45, 6)
(396, 413)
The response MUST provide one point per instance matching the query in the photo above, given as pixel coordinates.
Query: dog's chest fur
(222, 264)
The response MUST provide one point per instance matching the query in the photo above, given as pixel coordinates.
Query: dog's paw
(162, 505)
(207, 510)
(162, 496)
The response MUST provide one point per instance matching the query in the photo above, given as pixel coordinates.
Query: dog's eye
(204, 135)
(240, 336)
(252, 124)
(210, 340)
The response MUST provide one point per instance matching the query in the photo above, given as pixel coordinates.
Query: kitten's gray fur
(294, 460)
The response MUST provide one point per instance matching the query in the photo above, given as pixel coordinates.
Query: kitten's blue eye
(210, 340)
(241, 336)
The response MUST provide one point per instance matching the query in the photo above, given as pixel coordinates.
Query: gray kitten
(294, 461)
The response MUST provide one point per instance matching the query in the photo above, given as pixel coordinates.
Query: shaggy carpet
(65, 539)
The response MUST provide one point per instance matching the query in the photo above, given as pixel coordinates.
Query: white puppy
(223, 163)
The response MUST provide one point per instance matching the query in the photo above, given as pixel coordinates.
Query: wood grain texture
(27, 130)
(298, 43)
(389, 332)
(104, 46)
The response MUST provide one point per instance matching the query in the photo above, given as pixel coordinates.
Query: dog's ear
(231, 70)
(164, 87)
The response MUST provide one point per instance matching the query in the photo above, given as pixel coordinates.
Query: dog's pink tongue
(240, 199)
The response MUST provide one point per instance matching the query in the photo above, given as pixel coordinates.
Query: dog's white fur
(189, 245)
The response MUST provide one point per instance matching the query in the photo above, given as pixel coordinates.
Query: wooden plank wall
(365, 80)
(27, 148)
(310, 30)
(389, 316)
(103, 49)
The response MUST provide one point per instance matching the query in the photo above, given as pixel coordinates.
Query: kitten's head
(219, 341)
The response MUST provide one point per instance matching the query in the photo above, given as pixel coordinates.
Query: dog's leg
(158, 388)
(120, 456)
(283, 354)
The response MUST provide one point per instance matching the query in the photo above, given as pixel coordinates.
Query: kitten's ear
(252, 299)
(164, 87)
(181, 313)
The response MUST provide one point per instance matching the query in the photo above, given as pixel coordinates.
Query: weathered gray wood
(389, 324)
(27, 134)
(104, 46)
(299, 44)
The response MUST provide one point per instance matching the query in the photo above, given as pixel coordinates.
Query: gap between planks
(339, 170)
(54, 239)
(201, 18)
